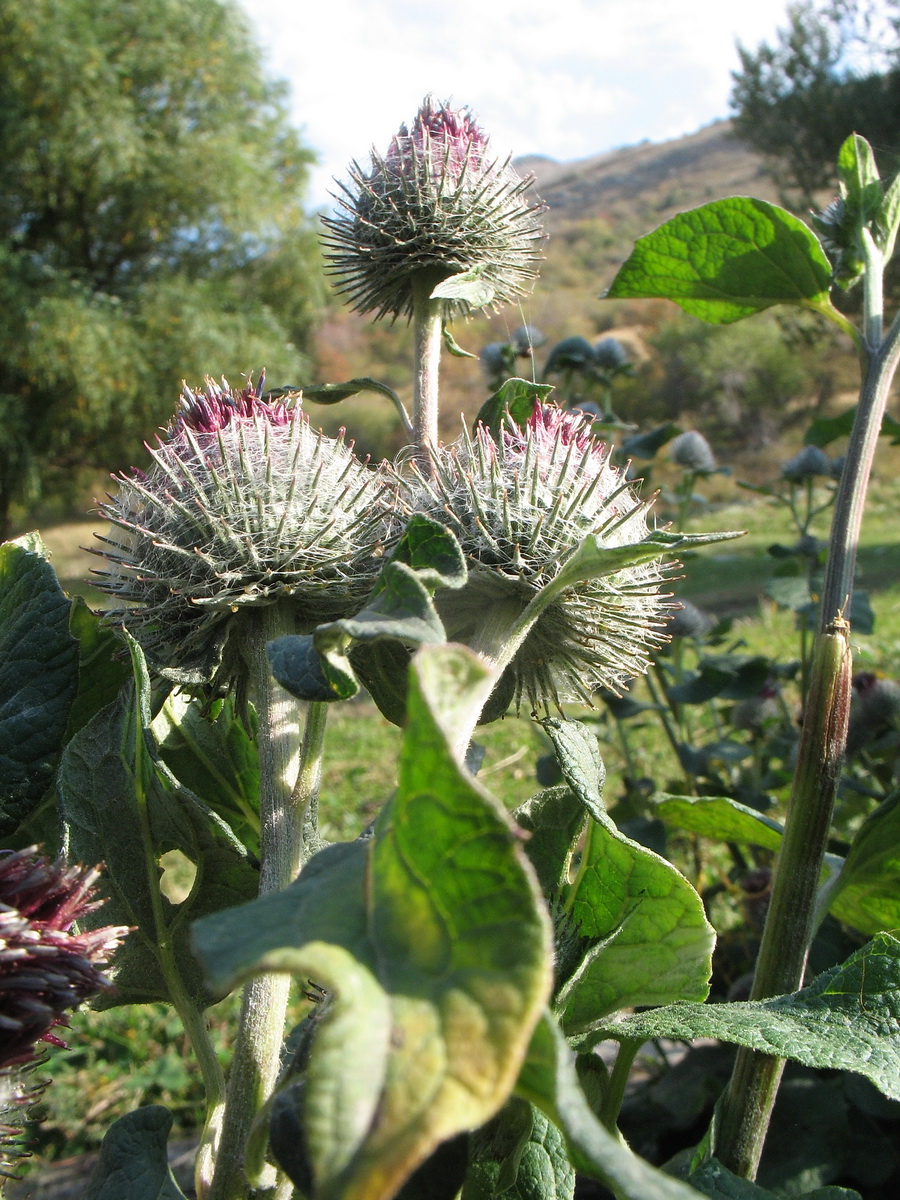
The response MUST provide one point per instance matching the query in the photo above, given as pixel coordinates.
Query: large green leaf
(867, 892)
(214, 756)
(728, 259)
(578, 755)
(123, 808)
(549, 1080)
(521, 1155)
(432, 944)
(650, 942)
(720, 818)
(133, 1161)
(38, 677)
(847, 1019)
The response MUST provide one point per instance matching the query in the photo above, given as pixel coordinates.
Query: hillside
(659, 178)
(596, 208)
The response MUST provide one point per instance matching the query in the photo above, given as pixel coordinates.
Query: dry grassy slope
(597, 208)
(662, 178)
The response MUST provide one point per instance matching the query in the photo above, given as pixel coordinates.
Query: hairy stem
(427, 331)
(748, 1101)
(264, 1005)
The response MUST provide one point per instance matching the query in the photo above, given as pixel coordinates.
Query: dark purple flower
(46, 969)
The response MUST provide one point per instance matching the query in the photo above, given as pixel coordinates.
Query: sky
(564, 78)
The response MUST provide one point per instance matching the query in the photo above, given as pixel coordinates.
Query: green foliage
(727, 260)
(151, 226)
(797, 100)
(549, 1080)
(112, 763)
(845, 1019)
(133, 1159)
(38, 678)
(431, 948)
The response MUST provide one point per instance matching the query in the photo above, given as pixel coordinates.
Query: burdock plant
(249, 525)
(435, 1059)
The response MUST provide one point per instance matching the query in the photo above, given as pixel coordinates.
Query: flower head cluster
(45, 968)
(244, 505)
(435, 205)
(520, 506)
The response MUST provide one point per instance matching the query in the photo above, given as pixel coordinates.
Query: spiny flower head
(244, 505)
(437, 204)
(45, 968)
(520, 506)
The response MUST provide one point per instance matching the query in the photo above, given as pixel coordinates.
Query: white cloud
(568, 80)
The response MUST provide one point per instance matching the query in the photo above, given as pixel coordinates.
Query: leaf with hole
(122, 807)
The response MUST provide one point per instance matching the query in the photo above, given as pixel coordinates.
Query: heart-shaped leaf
(728, 259)
(133, 1160)
(649, 940)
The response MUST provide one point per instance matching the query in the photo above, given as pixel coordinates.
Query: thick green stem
(427, 328)
(749, 1099)
(748, 1102)
(264, 1006)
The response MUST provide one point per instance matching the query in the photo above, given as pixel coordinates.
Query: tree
(835, 70)
(151, 225)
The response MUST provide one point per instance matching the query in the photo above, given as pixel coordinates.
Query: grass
(122, 1058)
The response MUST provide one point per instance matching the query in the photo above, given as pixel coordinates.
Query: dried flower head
(807, 464)
(244, 505)
(45, 968)
(520, 506)
(693, 452)
(437, 204)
